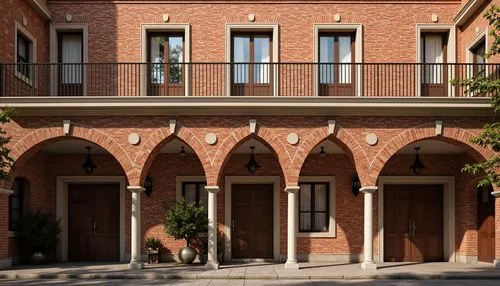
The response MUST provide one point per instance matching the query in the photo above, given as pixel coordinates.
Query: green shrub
(185, 220)
(153, 243)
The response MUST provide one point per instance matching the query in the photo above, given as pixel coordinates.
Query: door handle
(94, 226)
(232, 225)
(409, 228)
(413, 229)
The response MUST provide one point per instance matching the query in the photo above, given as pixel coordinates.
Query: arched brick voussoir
(454, 135)
(236, 138)
(346, 141)
(34, 141)
(155, 143)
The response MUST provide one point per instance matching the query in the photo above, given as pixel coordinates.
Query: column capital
(496, 194)
(136, 189)
(6, 192)
(212, 189)
(368, 189)
(292, 189)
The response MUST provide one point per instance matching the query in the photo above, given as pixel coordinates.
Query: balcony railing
(240, 79)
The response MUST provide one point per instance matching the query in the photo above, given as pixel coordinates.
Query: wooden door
(70, 57)
(93, 211)
(252, 221)
(486, 225)
(434, 68)
(413, 222)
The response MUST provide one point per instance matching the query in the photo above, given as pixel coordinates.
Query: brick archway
(155, 143)
(236, 138)
(33, 142)
(352, 147)
(453, 135)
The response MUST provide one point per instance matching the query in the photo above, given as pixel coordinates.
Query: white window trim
(274, 28)
(179, 180)
(54, 53)
(451, 52)
(32, 52)
(145, 28)
(332, 226)
(483, 35)
(358, 50)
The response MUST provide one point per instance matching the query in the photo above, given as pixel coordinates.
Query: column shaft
(368, 262)
(496, 261)
(291, 261)
(136, 257)
(212, 262)
(5, 261)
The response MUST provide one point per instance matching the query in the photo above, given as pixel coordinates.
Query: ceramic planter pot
(187, 255)
(38, 258)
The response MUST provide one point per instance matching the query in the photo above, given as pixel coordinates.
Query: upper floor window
(314, 207)
(70, 57)
(16, 204)
(336, 57)
(195, 192)
(478, 59)
(251, 55)
(434, 55)
(24, 55)
(166, 71)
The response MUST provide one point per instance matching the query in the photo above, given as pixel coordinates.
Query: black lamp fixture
(417, 165)
(252, 165)
(356, 185)
(322, 153)
(88, 166)
(148, 186)
(182, 152)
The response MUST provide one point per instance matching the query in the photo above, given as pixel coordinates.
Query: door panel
(486, 225)
(413, 221)
(252, 221)
(93, 222)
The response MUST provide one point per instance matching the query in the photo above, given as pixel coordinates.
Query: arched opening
(175, 172)
(252, 200)
(330, 211)
(431, 215)
(89, 203)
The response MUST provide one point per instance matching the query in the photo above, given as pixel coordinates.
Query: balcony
(391, 80)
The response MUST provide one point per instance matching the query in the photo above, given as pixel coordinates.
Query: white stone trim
(40, 8)
(274, 28)
(358, 49)
(229, 180)
(19, 28)
(332, 226)
(496, 194)
(183, 27)
(449, 253)
(480, 36)
(451, 51)
(467, 11)
(54, 53)
(6, 192)
(62, 207)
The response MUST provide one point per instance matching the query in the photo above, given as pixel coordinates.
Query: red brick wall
(4, 218)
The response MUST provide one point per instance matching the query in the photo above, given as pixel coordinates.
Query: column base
(135, 265)
(496, 263)
(5, 263)
(293, 265)
(368, 265)
(212, 265)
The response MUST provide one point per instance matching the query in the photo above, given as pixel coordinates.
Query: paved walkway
(260, 271)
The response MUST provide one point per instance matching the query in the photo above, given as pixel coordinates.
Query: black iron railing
(240, 79)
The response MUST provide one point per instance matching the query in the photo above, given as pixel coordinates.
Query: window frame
(19, 183)
(312, 211)
(60, 72)
(22, 32)
(197, 190)
(331, 193)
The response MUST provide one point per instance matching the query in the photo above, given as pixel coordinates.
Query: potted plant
(184, 221)
(153, 247)
(38, 237)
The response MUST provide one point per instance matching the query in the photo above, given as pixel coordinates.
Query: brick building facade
(334, 138)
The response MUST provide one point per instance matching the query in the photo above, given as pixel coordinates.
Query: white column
(212, 262)
(291, 261)
(368, 262)
(5, 261)
(136, 258)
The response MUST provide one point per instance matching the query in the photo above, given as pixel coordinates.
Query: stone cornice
(41, 8)
(467, 10)
(336, 106)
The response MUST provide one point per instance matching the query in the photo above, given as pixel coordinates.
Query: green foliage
(153, 243)
(482, 85)
(5, 159)
(185, 220)
(39, 232)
